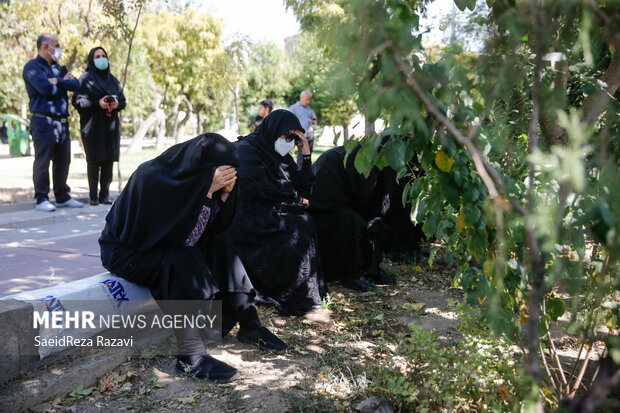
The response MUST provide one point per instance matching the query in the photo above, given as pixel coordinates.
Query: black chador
(346, 207)
(274, 235)
(163, 232)
(101, 131)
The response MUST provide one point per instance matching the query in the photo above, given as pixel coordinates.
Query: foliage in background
(520, 148)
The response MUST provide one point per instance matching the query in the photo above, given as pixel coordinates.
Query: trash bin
(18, 134)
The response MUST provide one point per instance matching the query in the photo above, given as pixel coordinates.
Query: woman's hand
(102, 104)
(225, 177)
(305, 202)
(302, 144)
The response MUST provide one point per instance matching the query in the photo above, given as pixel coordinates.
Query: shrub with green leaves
(520, 144)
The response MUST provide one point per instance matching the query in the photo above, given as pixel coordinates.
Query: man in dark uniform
(47, 89)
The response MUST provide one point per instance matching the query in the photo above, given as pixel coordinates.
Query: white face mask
(57, 54)
(283, 147)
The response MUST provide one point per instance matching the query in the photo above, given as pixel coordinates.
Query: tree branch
(489, 175)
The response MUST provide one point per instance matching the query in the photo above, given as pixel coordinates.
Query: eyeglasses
(290, 136)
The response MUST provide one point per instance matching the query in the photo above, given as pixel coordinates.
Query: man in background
(306, 117)
(47, 84)
(264, 108)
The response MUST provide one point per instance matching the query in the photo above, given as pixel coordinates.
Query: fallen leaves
(106, 383)
(80, 391)
(191, 399)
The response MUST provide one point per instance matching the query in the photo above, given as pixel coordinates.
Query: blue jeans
(51, 143)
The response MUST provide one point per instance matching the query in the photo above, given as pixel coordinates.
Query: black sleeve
(305, 178)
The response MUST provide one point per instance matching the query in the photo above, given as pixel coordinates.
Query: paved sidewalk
(41, 249)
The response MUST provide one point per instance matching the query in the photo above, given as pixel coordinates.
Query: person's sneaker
(94, 202)
(45, 206)
(105, 201)
(359, 284)
(206, 367)
(264, 339)
(71, 203)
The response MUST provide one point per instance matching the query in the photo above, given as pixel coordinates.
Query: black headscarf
(338, 184)
(163, 198)
(98, 83)
(276, 124)
(265, 169)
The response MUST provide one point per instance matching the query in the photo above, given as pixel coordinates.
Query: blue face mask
(101, 63)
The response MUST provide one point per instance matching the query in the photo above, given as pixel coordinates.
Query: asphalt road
(41, 249)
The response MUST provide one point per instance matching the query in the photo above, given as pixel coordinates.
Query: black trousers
(51, 143)
(99, 174)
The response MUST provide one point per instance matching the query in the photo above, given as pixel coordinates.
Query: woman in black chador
(165, 232)
(347, 210)
(98, 102)
(274, 235)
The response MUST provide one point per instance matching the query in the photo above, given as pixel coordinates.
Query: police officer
(47, 88)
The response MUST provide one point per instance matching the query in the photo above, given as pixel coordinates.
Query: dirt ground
(288, 382)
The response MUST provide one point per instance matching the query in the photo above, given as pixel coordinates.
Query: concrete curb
(64, 375)
(17, 340)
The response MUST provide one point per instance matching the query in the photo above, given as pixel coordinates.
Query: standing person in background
(264, 108)
(98, 101)
(47, 88)
(307, 118)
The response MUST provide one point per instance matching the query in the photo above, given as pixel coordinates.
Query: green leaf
(406, 192)
(472, 214)
(336, 138)
(477, 244)
(579, 242)
(555, 307)
(365, 159)
(461, 4)
(430, 226)
(472, 194)
(395, 151)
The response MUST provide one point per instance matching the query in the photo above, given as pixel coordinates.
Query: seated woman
(164, 232)
(346, 207)
(275, 237)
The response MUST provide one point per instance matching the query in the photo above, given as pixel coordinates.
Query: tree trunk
(180, 125)
(368, 127)
(174, 115)
(552, 132)
(345, 132)
(135, 144)
(161, 132)
(237, 108)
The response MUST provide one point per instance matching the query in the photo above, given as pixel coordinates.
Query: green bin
(18, 134)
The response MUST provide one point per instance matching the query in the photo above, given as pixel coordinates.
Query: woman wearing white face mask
(99, 101)
(274, 235)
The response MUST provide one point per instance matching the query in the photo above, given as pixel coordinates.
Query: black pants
(51, 143)
(99, 173)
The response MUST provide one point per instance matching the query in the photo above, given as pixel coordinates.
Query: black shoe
(94, 202)
(105, 201)
(382, 278)
(206, 367)
(359, 284)
(263, 338)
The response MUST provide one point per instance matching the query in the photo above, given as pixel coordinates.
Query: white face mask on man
(57, 54)
(283, 147)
